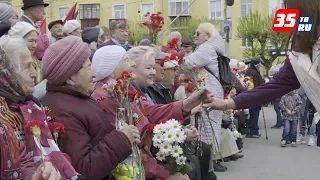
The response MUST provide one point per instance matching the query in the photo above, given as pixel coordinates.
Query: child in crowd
(290, 105)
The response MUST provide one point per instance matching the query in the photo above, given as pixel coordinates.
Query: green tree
(137, 32)
(261, 39)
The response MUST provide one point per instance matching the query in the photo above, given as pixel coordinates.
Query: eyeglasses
(197, 34)
(123, 30)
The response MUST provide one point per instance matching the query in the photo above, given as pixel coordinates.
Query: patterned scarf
(125, 45)
(10, 88)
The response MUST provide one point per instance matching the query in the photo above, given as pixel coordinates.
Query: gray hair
(12, 47)
(209, 28)
(141, 53)
(119, 24)
(174, 34)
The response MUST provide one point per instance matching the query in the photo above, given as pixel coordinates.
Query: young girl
(290, 105)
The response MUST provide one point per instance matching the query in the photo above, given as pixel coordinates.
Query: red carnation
(126, 75)
(189, 88)
(194, 69)
(33, 127)
(173, 43)
(118, 87)
(199, 81)
(235, 69)
(187, 79)
(226, 96)
(243, 72)
(58, 128)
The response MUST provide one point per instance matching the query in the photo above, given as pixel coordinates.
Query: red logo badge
(285, 20)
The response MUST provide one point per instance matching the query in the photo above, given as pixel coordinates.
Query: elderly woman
(18, 107)
(209, 45)
(108, 63)
(171, 36)
(72, 28)
(94, 145)
(30, 35)
(119, 35)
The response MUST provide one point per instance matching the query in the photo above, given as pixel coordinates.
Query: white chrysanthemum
(157, 138)
(180, 136)
(176, 151)
(159, 128)
(160, 156)
(169, 137)
(166, 148)
(181, 160)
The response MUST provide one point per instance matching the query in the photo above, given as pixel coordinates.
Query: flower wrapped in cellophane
(131, 168)
(169, 139)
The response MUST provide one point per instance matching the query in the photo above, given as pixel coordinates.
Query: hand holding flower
(45, 171)
(192, 133)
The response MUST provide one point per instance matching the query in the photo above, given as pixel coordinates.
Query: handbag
(225, 73)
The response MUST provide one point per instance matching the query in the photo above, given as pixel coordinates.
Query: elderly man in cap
(33, 11)
(55, 28)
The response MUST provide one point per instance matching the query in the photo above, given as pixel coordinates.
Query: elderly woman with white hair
(209, 45)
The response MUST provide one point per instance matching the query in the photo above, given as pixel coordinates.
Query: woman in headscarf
(108, 63)
(18, 108)
(94, 145)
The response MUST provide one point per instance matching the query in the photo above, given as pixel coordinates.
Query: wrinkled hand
(178, 176)
(132, 133)
(45, 172)
(197, 109)
(195, 99)
(192, 133)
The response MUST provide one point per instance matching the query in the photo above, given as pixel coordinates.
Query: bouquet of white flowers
(168, 138)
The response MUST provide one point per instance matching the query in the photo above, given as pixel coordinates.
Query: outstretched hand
(195, 99)
(220, 104)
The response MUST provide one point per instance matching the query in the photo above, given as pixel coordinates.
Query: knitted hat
(63, 59)
(70, 26)
(105, 60)
(6, 12)
(90, 34)
(21, 29)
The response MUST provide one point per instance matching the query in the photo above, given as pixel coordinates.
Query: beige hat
(21, 29)
(70, 26)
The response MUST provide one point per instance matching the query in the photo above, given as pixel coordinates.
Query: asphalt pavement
(266, 160)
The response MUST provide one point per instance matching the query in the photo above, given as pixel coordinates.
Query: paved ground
(266, 160)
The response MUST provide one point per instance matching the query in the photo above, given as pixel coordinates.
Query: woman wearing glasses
(301, 68)
(209, 44)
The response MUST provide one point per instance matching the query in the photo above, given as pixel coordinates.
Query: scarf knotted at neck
(125, 45)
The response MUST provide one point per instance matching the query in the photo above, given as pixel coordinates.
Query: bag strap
(209, 71)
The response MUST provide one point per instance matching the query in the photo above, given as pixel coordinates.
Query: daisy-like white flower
(157, 138)
(166, 148)
(159, 128)
(180, 136)
(169, 136)
(160, 156)
(181, 160)
(176, 151)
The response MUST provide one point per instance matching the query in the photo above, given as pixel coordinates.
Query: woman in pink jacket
(108, 63)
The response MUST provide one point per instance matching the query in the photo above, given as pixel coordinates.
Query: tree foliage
(261, 39)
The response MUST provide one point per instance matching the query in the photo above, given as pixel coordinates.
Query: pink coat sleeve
(156, 112)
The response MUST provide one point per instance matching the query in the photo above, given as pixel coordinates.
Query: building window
(89, 11)
(63, 12)
(215, 7)
(177, 6)
(246, 6)
(119, 11)
(282, 4)
(229, 12)
(145, 8)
